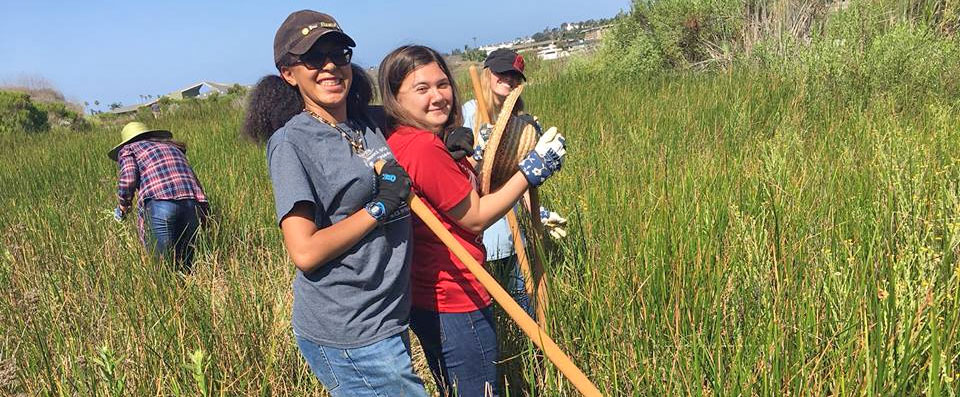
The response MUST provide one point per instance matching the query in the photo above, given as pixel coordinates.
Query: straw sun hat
(135, 131)
(512, 139)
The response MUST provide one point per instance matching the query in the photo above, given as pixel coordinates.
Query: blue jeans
(461, 349)
(380, 369)
(172, 229)
(513, 281)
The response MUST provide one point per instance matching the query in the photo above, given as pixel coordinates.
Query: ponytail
(273, 102)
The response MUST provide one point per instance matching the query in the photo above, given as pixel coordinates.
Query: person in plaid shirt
(169, 197)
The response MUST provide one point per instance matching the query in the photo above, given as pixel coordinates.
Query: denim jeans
(380, 369)
(507, 271)
(173, 228)
(461, 349)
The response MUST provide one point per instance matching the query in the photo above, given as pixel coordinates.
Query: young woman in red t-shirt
(451, 312)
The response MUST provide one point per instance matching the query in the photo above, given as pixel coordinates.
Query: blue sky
(117, 50)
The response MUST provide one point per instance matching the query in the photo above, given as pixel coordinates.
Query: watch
(376, 210)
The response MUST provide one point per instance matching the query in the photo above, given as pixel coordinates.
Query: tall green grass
(731, 234)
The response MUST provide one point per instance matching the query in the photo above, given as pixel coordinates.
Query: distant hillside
(40, 90)
(35, 105)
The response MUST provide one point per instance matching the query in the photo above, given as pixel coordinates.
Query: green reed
(730, 234)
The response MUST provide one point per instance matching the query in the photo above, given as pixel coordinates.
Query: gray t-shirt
(362, 296)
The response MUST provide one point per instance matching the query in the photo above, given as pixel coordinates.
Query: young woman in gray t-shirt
(346, 229)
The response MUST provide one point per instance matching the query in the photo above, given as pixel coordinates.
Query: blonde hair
(489, 98)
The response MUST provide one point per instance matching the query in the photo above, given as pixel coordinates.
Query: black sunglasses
(317, 59)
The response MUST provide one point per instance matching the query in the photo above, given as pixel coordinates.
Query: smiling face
(502, 83)
(426, 96)
(324, 88)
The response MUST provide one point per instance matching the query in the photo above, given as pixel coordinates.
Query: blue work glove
(545, 159)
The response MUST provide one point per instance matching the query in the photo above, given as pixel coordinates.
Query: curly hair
(273, 102)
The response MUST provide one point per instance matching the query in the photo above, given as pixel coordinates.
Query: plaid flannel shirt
(156, 170)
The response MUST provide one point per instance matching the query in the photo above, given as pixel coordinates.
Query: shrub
(237, 89)
(145, 114)
(863, 54)
(631, 49)
(910, 62)
(854, 51)
(59, 115)
(676, 34)
(18, 113)
(113, 118)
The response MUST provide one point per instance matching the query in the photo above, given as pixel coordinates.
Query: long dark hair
(273, 102)
(395, 67)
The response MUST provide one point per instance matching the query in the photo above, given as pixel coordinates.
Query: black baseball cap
(301, 30)
(504, 60)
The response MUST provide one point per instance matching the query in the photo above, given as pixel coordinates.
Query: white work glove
(554, 223)
(545, 159)
(483, 135)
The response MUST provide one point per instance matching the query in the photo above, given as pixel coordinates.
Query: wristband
(376, 210)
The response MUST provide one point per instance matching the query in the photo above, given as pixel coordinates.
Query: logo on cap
(326, 25)
(518, 63)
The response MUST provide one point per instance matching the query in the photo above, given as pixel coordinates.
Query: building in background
(198, 90)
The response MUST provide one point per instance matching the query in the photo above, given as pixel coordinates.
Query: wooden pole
(536, 241)
(530, 327)
(482, 115)
(521, 251)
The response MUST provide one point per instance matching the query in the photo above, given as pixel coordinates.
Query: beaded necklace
(356, 142)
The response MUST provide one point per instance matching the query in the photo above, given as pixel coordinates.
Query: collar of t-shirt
(406, 129)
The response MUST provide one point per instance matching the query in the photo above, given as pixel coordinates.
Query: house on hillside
(132, 108)
(493, 47)
(197, 90)
(552, 52)
(535, 46)
(200, 90)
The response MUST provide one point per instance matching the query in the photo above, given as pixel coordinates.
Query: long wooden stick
(536, 334)
(482, 115)
(535, 284)
(537, 239)
(530, 327)
(521, 251)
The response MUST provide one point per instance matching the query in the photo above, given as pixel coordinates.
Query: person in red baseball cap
(503, 71)
(346, 228)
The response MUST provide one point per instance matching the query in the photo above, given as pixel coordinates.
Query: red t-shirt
(438, 280)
